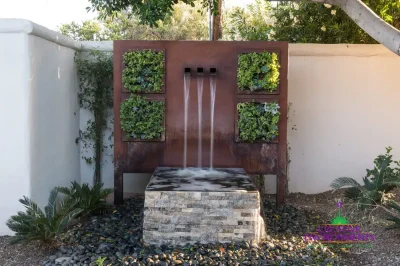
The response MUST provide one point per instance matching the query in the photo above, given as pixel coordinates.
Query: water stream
(213, 86)
(200, 113)
(186, 85)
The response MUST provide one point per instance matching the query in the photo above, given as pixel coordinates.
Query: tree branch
(371, 23)
(367, 20)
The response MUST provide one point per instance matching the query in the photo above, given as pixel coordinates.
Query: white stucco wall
(39, 114)
(344, 112)
(54, 117)
(14, 121)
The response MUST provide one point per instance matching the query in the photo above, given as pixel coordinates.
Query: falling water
(199, 102)
(213, 86)
(186, 85)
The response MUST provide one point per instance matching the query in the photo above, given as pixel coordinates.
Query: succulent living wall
(258, 71)
(258, 121)
(144, 71)
(141, 118)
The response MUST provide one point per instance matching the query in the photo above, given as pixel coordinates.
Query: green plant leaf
(258, 71)
(144, 71)
(142, 119)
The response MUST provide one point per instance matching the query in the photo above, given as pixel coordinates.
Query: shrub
(34, 224)
(141, 118)
(258, 121)
(377, 183)
(258, 71)
(395, 218)
(89, 200)
(144, 71)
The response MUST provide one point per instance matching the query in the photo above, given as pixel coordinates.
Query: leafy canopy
(185, 23)
(149, 11)
(310, 22)
(253, 23)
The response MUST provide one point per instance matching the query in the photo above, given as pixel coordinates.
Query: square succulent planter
(257, 101)
(246, 78)
(156, 98)
(150, 62)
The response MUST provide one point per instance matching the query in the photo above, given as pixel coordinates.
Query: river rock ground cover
(114, 238)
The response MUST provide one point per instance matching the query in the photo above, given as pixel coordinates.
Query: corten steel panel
(255, 158)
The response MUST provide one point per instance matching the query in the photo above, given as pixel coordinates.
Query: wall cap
(15, 25)
(358, 50)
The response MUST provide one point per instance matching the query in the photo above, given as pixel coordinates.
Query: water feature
(192, 172)
(213, 87)
(200, 77)
(186, 85)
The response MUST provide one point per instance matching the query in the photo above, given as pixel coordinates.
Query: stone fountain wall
(176, 217)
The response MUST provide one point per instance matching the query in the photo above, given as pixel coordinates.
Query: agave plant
(35, 224)
(394, 218)
(89, 200)
(377, 183)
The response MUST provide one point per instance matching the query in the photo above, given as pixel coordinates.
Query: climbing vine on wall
(144, 71)
(258, 71)
(258, 121)
(141, 118)
(96, 95)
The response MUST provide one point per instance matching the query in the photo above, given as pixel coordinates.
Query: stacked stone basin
(209, 208)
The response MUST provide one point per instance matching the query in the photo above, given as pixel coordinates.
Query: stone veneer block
(221, 208)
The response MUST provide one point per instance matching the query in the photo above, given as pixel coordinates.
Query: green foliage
(258, 71)
(150, 11)
(100, 261)
(310, 22)
(89, 200)
(96, 95)
(89, 30)
(394, 216)
(35, 224)
(258, 121)
(144, 71)
(252, 23)
(185, 23)
(377, 183)
(142, 119)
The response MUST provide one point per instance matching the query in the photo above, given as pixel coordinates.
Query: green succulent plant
(144, 71)
(258, 71)
(142, 119)
(258, 121)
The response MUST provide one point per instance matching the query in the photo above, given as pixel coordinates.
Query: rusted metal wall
(255, 158)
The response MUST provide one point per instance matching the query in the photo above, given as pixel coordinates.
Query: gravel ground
(30, 254)
(116, 238)
(386, 249)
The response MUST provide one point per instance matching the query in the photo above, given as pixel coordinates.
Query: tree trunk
(217, 23)
(371, 23)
